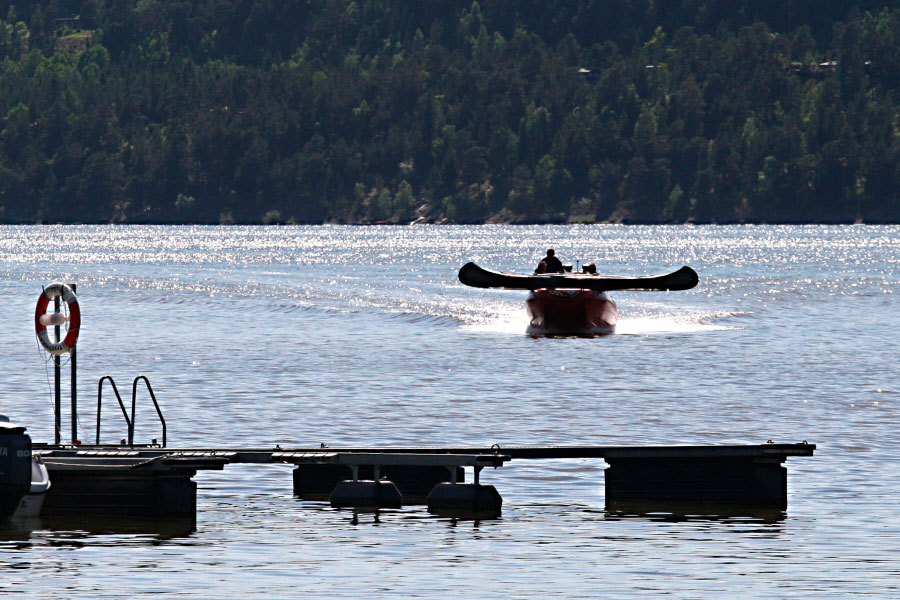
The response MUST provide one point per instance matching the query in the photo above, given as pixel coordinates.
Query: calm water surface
(298, 336)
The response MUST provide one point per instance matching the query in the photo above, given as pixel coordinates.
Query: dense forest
(340, 111)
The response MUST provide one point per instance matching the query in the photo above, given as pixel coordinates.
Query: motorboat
(15, 457)
(570, 312)
(33, 500)
(573, 303)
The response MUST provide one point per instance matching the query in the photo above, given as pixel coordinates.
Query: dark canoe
(471, 274)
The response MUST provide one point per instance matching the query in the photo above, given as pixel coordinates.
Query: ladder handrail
(155, 403)
(130, 422)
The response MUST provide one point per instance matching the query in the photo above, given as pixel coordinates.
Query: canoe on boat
(472, 275)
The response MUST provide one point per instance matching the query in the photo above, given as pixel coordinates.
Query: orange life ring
(52, 291)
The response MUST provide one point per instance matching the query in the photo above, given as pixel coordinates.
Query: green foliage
(219, 111)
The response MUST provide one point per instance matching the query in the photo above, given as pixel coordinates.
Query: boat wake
(484, 312)
(429, 319)
(510, 321)
(683, 322)
(513, 320)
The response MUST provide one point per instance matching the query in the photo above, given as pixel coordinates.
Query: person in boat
(550, 263)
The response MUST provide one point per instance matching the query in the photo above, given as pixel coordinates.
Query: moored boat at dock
(15, 460)
(33, 500)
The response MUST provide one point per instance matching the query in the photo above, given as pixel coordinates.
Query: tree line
(340, 111)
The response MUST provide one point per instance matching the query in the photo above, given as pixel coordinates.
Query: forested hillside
(249, 111)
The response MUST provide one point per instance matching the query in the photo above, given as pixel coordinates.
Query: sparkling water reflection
(254, 336)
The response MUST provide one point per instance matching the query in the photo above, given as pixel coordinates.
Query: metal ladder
(129, 420)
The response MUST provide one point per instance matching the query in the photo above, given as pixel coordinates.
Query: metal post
(57, 390)
(72, 379)
(131, 424)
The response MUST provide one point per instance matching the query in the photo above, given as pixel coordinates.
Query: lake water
(256, 336)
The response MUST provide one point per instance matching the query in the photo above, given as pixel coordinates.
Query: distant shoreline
(518, 224)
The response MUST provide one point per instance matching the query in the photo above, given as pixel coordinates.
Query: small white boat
(33, 501)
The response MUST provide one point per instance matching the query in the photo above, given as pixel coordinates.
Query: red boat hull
(570, 312)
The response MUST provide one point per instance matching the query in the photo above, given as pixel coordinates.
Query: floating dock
(155, 481)
(158, 482)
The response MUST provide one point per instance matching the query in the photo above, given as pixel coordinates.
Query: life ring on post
(50, 292)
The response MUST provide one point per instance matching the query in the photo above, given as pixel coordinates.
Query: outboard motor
(15, 466)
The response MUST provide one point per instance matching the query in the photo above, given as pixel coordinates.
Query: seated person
(589, 269)
(550, 263)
